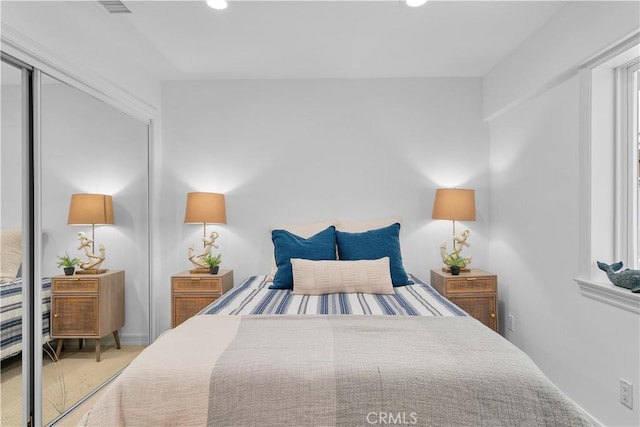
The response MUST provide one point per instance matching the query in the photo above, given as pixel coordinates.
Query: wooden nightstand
(87, 306)
(190, 293)
(476, 292)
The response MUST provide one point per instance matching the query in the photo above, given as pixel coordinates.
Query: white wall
(307, 150)
(90, 147)
(576, 33)
(584, 346)
(11, 153)
(59, 33)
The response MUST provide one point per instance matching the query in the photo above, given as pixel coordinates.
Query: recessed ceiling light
(416, 3)
(217, 4)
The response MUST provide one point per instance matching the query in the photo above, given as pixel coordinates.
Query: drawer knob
(469, 279)
(493, 315)
(55, 315)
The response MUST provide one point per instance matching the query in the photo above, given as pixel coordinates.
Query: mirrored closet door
(94, 198)
(63, 151)
(14, 233)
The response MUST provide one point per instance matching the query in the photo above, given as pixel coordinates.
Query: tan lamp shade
(454, 204)
(90, 209)
(205, 208)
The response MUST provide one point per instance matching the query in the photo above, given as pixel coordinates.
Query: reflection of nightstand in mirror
(87, 306)
(190, 293)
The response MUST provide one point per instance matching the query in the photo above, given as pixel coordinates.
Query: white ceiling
(290, 39)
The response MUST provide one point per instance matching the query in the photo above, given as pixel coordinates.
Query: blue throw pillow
(375, 244)
(321, 246)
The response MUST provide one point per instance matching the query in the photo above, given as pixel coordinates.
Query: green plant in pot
(456, 261)
(213, 262)
(68, 264)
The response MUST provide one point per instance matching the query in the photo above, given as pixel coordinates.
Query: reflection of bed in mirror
(11, 314)
(11, 300)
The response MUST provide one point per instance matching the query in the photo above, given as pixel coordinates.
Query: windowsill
(610, 294)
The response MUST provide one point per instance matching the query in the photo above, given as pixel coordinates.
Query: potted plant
(213, 262)
(455, 261)
(68, 264)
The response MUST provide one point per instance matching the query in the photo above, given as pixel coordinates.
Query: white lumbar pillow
(330, 277)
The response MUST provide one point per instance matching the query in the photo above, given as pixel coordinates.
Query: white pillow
(362, 226)
(10, 253)
(330, 277)
(303, 230)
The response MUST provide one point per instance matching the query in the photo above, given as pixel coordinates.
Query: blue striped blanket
(11, 316)
(253, 296)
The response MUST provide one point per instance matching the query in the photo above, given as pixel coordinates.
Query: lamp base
(91, 271)
(199, 271)
(462, 270)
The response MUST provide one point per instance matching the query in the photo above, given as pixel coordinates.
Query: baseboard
(125, 339)
(593, 419)
(134, 339)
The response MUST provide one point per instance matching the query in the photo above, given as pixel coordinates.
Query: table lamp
(455, 204)
(204, 208)
(91, 209)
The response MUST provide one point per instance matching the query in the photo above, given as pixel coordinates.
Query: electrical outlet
(511, 325)
(626, 393)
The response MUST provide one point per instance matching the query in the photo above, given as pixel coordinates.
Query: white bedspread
(333, 370)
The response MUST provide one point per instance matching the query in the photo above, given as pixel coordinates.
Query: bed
(338, 334)
(11, 316)
(259, 356)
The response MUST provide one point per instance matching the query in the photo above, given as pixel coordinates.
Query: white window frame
(627, 182)
(605, 221)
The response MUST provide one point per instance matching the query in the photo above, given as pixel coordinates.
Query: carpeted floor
(63, 383)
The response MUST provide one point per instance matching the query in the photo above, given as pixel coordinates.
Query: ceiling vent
(115, 6)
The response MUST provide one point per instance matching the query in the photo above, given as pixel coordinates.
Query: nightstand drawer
(191, 292)
(471, 284)
(197, 284)
(74, 285)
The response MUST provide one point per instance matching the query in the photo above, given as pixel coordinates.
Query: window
(609, 171)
